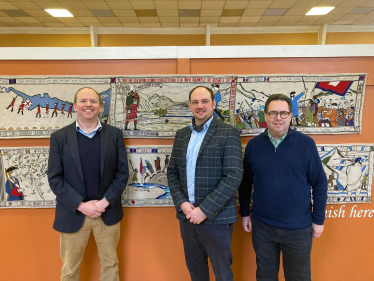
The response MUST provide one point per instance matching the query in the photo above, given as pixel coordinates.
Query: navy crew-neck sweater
(90, 156)
(282, 178)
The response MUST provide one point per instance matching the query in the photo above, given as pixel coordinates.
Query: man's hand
(187, 207)
(317, 230)
(247, 224)
(102, 204)
(196, 216)
(90, 209)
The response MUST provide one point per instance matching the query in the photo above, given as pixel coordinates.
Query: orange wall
(45, 40)
(264, 39)
(126, 40)
(150, 247)
(349, 38)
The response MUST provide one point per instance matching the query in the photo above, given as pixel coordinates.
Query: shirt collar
(205, 125)
(279, 140)
(98, 127)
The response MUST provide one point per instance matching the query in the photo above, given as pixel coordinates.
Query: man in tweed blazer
(204, 173)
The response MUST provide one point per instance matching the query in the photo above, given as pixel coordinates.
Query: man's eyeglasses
(274, 114)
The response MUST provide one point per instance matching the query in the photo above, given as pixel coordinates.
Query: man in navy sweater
(88, 171)
(285, 169)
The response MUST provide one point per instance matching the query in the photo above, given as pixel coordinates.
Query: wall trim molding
(195, 52)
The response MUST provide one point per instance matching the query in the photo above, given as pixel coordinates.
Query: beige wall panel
(264, 39)
(349, 38)
(45, 40)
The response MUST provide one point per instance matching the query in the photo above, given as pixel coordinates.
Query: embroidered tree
(31, 168)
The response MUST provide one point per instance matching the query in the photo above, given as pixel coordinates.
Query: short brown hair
(278, 97)
(209, 90)
(76, 95)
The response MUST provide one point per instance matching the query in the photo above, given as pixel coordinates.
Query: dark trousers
(201, 241)
(295, 245)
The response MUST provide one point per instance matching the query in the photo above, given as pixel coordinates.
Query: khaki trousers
(73, 245)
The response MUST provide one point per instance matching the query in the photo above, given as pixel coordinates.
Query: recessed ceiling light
(59, 13)
(319, 11)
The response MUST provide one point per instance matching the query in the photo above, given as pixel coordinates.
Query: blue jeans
(295, 245)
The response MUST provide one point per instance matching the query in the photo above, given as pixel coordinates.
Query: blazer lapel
(104, 145)
(73, 143)
(185, 146)
(209, 134)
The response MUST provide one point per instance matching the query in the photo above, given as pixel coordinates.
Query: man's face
(201, 105)
(87, 106)
(278, 127)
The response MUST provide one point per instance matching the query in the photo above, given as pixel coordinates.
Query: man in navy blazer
(204, 172)
(88, 172)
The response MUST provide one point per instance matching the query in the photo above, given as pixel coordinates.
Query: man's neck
(88, 126)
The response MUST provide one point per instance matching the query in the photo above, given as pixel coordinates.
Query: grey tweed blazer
(219, 170)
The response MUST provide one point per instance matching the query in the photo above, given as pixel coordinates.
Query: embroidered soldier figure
(132, 104)
(70, 110)
(62, 109)
(46, 110)
(20, 108)
(38, 113)
(12, 104)
(12, 186)
(55, 110)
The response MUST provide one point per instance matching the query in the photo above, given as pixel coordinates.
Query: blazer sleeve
(63, 191)
(115, 190)
(232, 172)
(174, 177)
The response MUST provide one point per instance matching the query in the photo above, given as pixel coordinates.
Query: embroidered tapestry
(24, 184)
(157, 106)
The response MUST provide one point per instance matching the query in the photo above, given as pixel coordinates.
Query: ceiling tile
(209, 19)
(285, 23)
(229, 19)
(304, 23)
(37, 13)
(227, 24)
(72, 5)
(16, 13)
(236, 4)
(55, 24)
(124, 13)
(189, 19)
(351, 17)
(146, 13)
(169, 24)
(81, 13)
(132, 24)
(253, 12)
(26, 5)
(113, 24)
(189, 4)
(146, 5)
(167, 5)
(306, 4)
(362, 10)
(290, 18)
(96, 5)
(232, 12)
(243, 24)
(341, 11)
(3, 24)
(320, 22)
(369, 3)
(211, 13)
(189, 24)
(169, 19)
(147, 24)
(284, 4)
(26, 19)
(49, 5)
(189, 13)
(363, 22)
(343, 22)
(297, 12)
(310, 18)
(35, 24)
(275, 12)
(265, 24)
(270, 19)
(4, 14)
(329, 3)
(350, 3)
(168, 13)
(212, 5)
(103, 13)
(7, 6)
(69, 20)
(331, 17)
(66, 0)
(210, 24)
(16, 24)
(250, 19)
(128, 19)
(47, 19)
(119, 5)
(74, 24)
(8, 19)
(259, 4)
(368, 17)
(88, 20)
(148, 19)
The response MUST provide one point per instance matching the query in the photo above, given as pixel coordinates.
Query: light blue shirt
(92, 133)
(192, 152)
